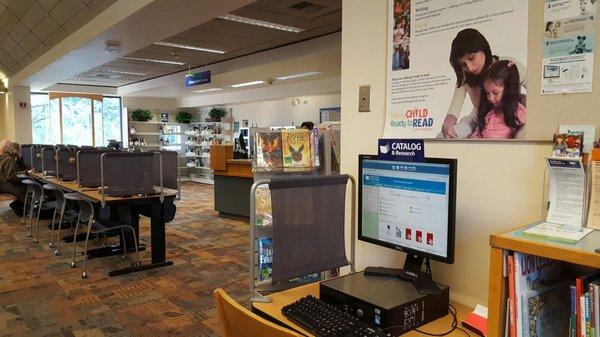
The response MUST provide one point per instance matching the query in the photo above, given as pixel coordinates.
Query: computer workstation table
(129, 209)
(272, 312)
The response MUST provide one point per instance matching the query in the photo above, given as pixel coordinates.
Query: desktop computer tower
(385, 302)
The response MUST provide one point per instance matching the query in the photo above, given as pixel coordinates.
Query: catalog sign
(440, 57)
(401, 150)
(197, 78)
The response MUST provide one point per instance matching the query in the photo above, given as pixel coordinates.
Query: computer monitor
(410, 207)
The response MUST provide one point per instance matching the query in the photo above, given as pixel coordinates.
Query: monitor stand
(411, 273)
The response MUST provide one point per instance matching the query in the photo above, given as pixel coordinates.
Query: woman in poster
(471, 57)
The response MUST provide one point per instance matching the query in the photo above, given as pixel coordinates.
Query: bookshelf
(581, 253)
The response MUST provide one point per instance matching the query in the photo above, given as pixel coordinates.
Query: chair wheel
(29, 235)
(84, 274)
(72, 264)
(57, 253)
(51, 245)
(34, 240)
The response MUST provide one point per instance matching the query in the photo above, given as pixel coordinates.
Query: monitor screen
(408, 206)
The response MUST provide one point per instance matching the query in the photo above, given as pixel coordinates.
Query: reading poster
(457, 69)
(568, 46)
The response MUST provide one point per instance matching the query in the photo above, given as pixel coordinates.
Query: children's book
(566, 145)
(296, 148)
(588, 132)
(269, 154)
(314, 142)
(546, 311)
(264, 213)
(265, 258)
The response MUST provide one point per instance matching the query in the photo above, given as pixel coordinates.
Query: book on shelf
(296, 149)
(269, 153)
(265, 258)
(546, 311)
(512, 322)
(264, 212)
(314, 149)
(567, 145)
(587, 131)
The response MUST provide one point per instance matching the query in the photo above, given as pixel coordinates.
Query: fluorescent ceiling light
(185, 46)
(247, 84)
(153, 60)
(260, 23)
(208, 90)
(120, 72)
(297, 75)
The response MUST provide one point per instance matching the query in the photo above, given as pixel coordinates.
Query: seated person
(9, 182)
(307, 125)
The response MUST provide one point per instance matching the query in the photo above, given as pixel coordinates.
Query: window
(77, 119)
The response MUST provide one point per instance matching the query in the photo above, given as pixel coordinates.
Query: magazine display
(296, 149)
(264, 214)
(566, 145)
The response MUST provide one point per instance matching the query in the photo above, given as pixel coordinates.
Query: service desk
(272, 312)
(233, 180)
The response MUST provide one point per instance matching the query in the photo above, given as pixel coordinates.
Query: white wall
(16, 120)
(281, 111)
(499, 183)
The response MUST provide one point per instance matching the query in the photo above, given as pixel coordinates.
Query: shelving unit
(581, 253)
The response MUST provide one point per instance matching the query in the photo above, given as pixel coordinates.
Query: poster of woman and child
(457, 69)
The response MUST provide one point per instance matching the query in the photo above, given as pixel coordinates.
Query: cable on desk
(454, 325)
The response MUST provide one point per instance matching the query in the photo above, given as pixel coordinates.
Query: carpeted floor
(40, 295)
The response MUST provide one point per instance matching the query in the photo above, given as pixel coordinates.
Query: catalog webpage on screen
(406, 204)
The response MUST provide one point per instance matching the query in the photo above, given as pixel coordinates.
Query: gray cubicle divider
(267, 231)
(66, 163)
(127, 173)
(88, 167)
(170, 170)
(26, 154)
(49, 160)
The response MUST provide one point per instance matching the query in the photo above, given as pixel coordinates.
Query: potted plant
(217, 113)
(141, 115)
(183, 117)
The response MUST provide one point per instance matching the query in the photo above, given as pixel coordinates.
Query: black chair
(86, 216)
(35, 206)
(66, 164)
(28, 195)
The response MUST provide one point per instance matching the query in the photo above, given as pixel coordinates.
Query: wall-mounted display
(568, 46)
(456, 69)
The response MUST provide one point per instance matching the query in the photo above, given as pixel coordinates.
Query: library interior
(267, 168)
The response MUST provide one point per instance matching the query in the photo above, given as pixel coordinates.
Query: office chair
(59, 209)
(28, 193)
(86, 215)
(237, 321)
(36, 205)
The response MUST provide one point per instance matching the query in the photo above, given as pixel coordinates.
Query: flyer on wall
(443, 56)
(568, 46)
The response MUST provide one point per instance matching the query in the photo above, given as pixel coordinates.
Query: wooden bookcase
(581, 253)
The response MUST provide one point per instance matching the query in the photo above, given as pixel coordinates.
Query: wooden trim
(496, 294)
(551, 251)
(52, 95)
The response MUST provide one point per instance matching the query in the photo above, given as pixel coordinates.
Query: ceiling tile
(33, 16)
(202, 36)
(19, 54)
(2, 9)
(54, 38)
(46, 27)
(47, 5)
(39, 50)
(242, 30)
(8, 21)
(77, 21)
(97, 6)
(64, 10)
(19, 7)
(4, 2)
(8, 44)
(19, 32)
(3, 34)
(29, 43)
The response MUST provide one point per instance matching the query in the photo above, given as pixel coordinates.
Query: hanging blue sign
(401, 150)
(197, 78)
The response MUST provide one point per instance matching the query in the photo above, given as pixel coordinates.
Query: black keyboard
(326, 320)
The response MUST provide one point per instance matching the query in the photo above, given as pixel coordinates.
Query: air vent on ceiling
(307, 7)
(107, 76)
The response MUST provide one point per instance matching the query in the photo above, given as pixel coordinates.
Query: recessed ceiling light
(185, 46)
(297, 75)
(153, 60)
(247, 84)
(208, 90)
(120, 72)
(260, 23)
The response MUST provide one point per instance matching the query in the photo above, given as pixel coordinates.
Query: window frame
(93, 98)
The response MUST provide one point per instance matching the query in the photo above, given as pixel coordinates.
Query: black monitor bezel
(449, 259)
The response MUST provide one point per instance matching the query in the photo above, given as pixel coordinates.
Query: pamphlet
(593, 220)
(588, 132)
(555, 232)
(567, 145)
(566, 191)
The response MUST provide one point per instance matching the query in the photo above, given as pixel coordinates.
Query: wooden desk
(127, 210)
(581, 253)
(272, 311)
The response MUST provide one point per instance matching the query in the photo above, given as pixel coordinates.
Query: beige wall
(15, 122)
(150, 103)
(499, 183)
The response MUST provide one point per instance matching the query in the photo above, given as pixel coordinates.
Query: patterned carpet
(40, 295)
